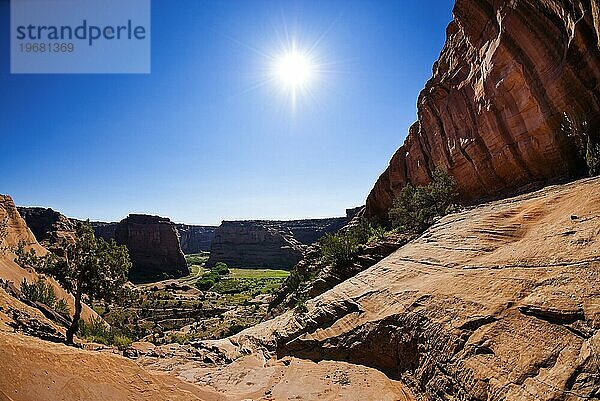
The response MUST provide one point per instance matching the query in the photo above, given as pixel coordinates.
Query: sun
(294, 70)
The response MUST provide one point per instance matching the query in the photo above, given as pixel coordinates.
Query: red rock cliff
(153, 245)
(511, 76)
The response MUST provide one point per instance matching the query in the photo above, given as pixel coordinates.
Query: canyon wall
(49, 226)
(104, 230)
(195, 239)
(512, 104)
(269, 244)
(255, 244)
(153, 245)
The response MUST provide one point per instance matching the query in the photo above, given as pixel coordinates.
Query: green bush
(43, 292)
(221, 269)
(96, 330)
(592, 158)
(121, 341)
(416, 208)
(62, 306)
(300, 308)
(342, 247)
(208, 280)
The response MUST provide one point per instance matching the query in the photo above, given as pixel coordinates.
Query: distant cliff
(153, 245)
(269, 244)
(49, 226)
(512, 103)
(195, 239)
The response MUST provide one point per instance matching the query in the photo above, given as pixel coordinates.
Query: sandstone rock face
(254, 244)
(13, 229)
(513, 99)
(195, 239)
(49, 226)
(269, 244)
(498, 302)
(153, 246)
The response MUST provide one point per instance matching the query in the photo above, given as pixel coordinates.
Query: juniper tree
(90, 267)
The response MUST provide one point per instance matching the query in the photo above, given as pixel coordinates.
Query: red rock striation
(513, 100)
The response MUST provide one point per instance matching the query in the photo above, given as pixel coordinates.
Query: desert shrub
(43, 292)
(339, 248)
(96, 330)
(300, 307)
(221, 269)
(342, 247)
(3, 235)
(592, 158)
(378, 233)
(39, 291)
(574, 125)
(62, 306)
(416, 208)
(121, 341)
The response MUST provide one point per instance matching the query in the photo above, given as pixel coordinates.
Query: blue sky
(196, 140)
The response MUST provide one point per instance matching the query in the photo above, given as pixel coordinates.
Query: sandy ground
(35, 370)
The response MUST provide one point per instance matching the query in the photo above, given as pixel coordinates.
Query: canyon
(195, 239)
(155, 243)
(497, 301)
(49, 226)
(512, 105)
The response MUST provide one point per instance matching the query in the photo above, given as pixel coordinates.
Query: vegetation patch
(416, 208)
(96, 330)
(342, 247)
(43, 292)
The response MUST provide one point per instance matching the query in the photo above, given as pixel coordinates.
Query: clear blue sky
(195, 142)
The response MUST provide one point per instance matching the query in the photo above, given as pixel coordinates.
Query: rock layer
(270, 244)
(153, 246)
(513, 100)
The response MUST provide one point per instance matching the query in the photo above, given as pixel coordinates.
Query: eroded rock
(513, 95)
